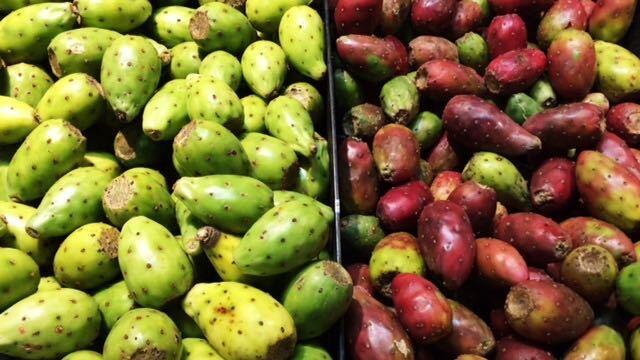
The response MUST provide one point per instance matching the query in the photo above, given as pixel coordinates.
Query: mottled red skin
(572, 65)
(421, 308)
(611, 14)
(479, 125)
(359, 178)
(470, 334)
(355, 51)
(588, 230)
(426, 48)
(553, 186)
(447, 242)
(479, 202)
(515, 71)
(396, 152)
(539, 240)
(506, 33)
(373, 332)
(511, 349)
(500, 263)
(624, 121)
(394, 15)
(528, 9)
(538, 275)
(547, 312)
(361, 276)
(399, 209)
(564, 14)
(432, 16)
(444, 184)
(612, 146)
(588, 6)
(498, 323)
(553, 270)
(443, 156)
(357, 16)
(571, 126)
(440, 80)
(468, 16)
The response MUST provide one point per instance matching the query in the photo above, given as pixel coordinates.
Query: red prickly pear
(373, 59)
(611, 19)
(624, 121)
(432, 16)
(479, 202)
(511, 349)
(361, 276)
(515, 71)
(577, 125)
(564, 14)
(470, 334)
(553, 186)
(357, 16)
(469, 15)
(525, 8)
(426, 48)
(443, 156)
(589, 6)
(399, 209)
(500, 263)
(359, 180)
(572, 64)
(617, 150)
(540, 240)
(394, 15)
(498, 323)
(442, 79)
(554, 270)
(587, 230)
(373, 332)
(444, 184)
(479, 125)
(599, 100)
(547, 312)
(396, 153)
(538, 275)
(447, 243)
(421, 308)
(506, 33)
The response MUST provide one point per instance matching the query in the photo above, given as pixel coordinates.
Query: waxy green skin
(147, 333)
(254, 109)
(628, 289)
(304, 230)
(17, 120)
(68, 321)
(250, 323)
(310, 352)
(314, 173)
(48, 283)
(317, 297)
(600, 342)
(83, 355)
(617, 72)
(14, 216)
(80, 51)
(542, 92)
(87, 258)
(170, 25)
(521, 106)
(361, 233)
(284, 196)
(264, 68)
(138, 192)
(25, 82)
(237, 201)
(76, 98)
(60, 147)
(103, 161)
(72, 201)
(10, 5)
(19, 276)
(118, 15)
(473, 51)
(428, 128)
(213, 100)
(400, 100)
(153, 264)
(198, 349)
(272, 160)
(395, 254)
(265, 15)
(132, 147)
(114, 301)
(166, 113)
(287, 120)
(302, 38)
(219, 248)
(185, 60)
(218, 26)
(224, 67)
(130, 73)
(20, 43)
(189, 226)
(163, 52)
(348, 91)
(309, 97)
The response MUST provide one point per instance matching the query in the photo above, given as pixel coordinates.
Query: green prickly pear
(29, 43)
(188, 328)
(272, 160)
(400, 100)
(617, 72)
(287, 120)
(284, 238)
(264, 68)
(315, 173)
(218, 26)
(119, 15)
(19, 276)
(254, 109)
(185, 60)
(114, 301)
(132, 147)
(87, 258)
(34, 327)
(236, 4)
(48, 283)
(189, 226)
(153, 264)
(25, 82)
(229, 202)
(309, 97)
(17, 120)
(198, 349)
(219, 248)
(241, 322)
(473, 51)
(102, 161)
(163, 52)
(361, 233)
(317, 297)
(83, 355)
(170, 25)
(80, 51)
(130, 73)
(138, 192)
(265, 15)
(10, 5)
(302, 38)
(76, 98)
(166, 113)
(348, 92)
(224, 67)
(282, 196)
(60, 147)
(428, 128)
(600, 342)
(310, 352)
(395, 254)
(521, 106)
(213, 100)
(144, 334)
(15, 217)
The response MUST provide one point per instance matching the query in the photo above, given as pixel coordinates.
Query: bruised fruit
(591, 271)
(397, 253)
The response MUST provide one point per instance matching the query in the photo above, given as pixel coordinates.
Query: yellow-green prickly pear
(254, 108)
(264, 67)
(170, 24)
(103, 161)
(17, 120)
(302, 38)
(198, 349)
(48, 283)
(283, 196)
(314, 174)
(218, 26)
(272, 160)
(25, 82)
(83, 355)
(119, 15)
(309, 97)
(114, 301)
(224, 67)
(166, 113)
(15, 217)
(310, 352)
(19, 276)
(287, 120)
(213, 100)
(617, 75)
(265, 15)
(219, 248)
(185, 60)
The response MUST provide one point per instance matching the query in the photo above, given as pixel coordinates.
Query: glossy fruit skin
(19, 120)
(443, 156)
(25, 82)
(396, 153)
(397, 253)
(288, 120)
(13, 217)
(400, 207)
(563, 15)
(440, 80)
(19, 278)
(113, 301)
(445, 183)
(389, 52)
(515, 71)
(469, 335)
(506, 33)
(599, 100)
(524, 8)
(509, 349)
(616, 149)
(521, 106)
(359, 182)
(432, 16)
(572, 64)
(553, 186)
(591, 271)
(616, 66)
(357, 16)
(302, 37)
(479, 202)
(425, 48)
(500, 263)
(469, 15)
(610, 20)
(361, 277)
(627, 289)
(214, 21)
(600, 342)
(587, 230)
(272, 161)
(265, 16)
(624, 121)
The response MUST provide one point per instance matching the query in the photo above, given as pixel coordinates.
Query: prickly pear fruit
(623, 121)
(361, 277)
(591, 271)
(143, 332)
(611, 19)
(428, 129)
(506, 33)
(586, 230)
(310, 352)
(222, 66)
(627, 289)
(441, 80)
(359, 185)
(521, 106)
(358, 52)
(500, 263)
(443, 157)
(400, 100)
(130, 73)
(60, 147)
(515, 71)
(214, 101)
(399, 209)
(282, 196)
(25, 82)
(396, 153)
(543, 93)
(469, 15)
(547, 312)
(358, 16)
(616, 68)
(314, 173)
(425, 48)
(469, 334)
(170, 25)
(432, 17)
(363, 121)
(265, 16)
(83, 355)
(473, 51)
(600, 342)
(397, 253)
(421, 308)
(218, 26)
(19, 277)
(114, 301)
(444, 184)
(479, 202)
(564, 14)
(553, 186)
(264, 68)
(254, 109)
(616, 149)
(394, 14)
(301, 35)
(361, 233)
(599, 100)
(166, 112)
(572, 64)
(185, 60)
(118, 15)
(49, 283)
(219, 248)
(14, 216)
(509, 348)
(348, 91)
(287, 120)
(194, 349)
(272, 161)
(18, 120)
(309, 97)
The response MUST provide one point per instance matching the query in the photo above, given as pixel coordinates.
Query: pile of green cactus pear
(165, 176)
(489, 178)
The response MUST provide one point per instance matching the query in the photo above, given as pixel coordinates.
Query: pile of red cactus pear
(489, 178)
